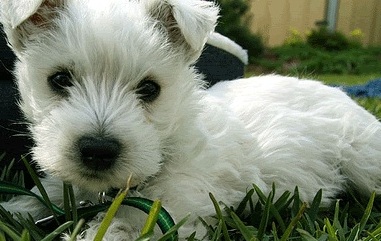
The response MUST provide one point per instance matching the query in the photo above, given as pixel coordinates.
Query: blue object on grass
(370, 89)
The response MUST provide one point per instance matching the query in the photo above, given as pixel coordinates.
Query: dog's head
(105, 84)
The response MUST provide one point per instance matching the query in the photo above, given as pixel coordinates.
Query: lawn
(331, 79)
(344, 79)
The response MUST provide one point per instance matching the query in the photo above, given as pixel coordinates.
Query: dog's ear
(187, 23)
(24, 19)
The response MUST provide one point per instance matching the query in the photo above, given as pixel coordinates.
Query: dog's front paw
(120, 229)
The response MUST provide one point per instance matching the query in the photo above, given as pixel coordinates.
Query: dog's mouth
(93, 176)
(100, 181)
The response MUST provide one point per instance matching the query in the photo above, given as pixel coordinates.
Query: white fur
(189, 141)
(225, 43)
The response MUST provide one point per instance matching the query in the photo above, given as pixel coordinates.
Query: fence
(273, 19)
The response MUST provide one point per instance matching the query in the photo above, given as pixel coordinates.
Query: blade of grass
(110, 214)
(58, 231)
(152, 218)
(297, 203)
(293, 222)
(330, 230)
(164, 221)
(315, 206)
(261, 196)
(246, 233)
(10, 232)
(10, 188)
(25, 236)
(274, 231)
(209, 228)
(2, 236)
(336, 222)
(9, 220)
(217, 231)
(73, 204)
(70, 206)
(77, 229)
(374, 235)
(171, 234)
(29, 224)
(146, 237)
(40, 187)
(192, 237)
(66, 201)
(266, 214)
(283, 201)
(220, 217)
(306, 235)
(242, 206)
(367, 212)
(274, 211)
(354, 235)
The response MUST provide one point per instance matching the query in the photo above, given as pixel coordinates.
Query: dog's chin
(100, 181)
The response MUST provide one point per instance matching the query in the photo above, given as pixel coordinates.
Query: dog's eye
(148, 90)
(60, 81)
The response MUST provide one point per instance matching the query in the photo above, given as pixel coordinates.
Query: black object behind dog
(13, 139)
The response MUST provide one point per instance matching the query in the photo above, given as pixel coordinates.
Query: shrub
(294, 38)
(322, 38)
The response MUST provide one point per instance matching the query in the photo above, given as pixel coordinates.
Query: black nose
(98, 153)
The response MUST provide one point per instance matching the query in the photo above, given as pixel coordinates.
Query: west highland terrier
(110, 91)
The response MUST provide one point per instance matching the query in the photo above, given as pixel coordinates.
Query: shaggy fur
(188, 141)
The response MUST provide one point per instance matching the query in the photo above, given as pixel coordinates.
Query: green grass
(70, 219)
(259, 216)
(333, 79)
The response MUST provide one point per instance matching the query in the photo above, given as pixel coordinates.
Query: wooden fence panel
(361, 14)
(273, 19)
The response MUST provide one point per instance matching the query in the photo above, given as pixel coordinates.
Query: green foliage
(9, 175)
(321, 38)
(303, 58)
(288, 218)
(294, 38)
(321, 52)
(259, 216)
(233, 23)
(71, 219)
(373, 105)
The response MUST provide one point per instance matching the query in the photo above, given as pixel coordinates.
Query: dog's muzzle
(98, 153)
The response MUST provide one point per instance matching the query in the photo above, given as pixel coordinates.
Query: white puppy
(109, 90)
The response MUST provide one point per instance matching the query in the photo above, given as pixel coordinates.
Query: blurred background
(309, 36)
(334, 41)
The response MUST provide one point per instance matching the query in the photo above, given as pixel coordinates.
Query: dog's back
(311, 135)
